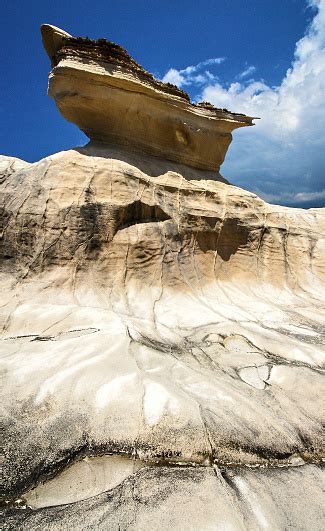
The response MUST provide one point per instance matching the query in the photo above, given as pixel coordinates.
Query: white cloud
(309, 196)
(193, 74)
(213, 61)
(247, 72)
(292, 198)
(173, 76)
(283, 155)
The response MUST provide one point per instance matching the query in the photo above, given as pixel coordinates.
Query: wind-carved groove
(91, 226)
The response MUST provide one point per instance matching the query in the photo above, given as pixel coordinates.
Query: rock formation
(161, 329)
(112, 99)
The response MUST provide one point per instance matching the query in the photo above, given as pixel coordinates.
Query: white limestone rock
(162, 341)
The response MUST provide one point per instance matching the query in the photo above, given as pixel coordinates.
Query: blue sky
(261, 57)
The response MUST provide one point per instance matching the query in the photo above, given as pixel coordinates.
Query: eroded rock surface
(162, 344)
(100, 88)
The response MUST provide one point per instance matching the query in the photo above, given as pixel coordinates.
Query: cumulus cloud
(193, 74)
(173, 76)
(282, 158)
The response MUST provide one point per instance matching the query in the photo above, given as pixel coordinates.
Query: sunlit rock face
(100, 88)
(161, 340)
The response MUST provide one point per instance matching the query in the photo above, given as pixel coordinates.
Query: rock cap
(99, 87)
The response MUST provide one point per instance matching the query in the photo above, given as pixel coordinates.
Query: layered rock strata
(162, 339)
(100, 88)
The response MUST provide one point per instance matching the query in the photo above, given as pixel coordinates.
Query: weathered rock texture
(100, 88)
(161, 335)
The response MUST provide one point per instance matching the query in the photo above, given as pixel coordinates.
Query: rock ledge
(112, 99)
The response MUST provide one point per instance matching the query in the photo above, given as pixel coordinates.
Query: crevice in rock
(77, 332)
(140, 212)
(224, 472)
